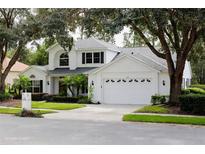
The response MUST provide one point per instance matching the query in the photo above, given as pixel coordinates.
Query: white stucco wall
(75, 57)
(110, 55)
(164, 89)
(39, 75)
(187, 71)
(124, 68)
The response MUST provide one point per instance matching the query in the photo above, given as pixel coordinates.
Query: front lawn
(6, 110)
(164, 119)
(153, 109)
(56, 106)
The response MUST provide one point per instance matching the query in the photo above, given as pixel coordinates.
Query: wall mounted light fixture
(163, 82)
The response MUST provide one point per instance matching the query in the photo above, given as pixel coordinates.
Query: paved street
(50, 130)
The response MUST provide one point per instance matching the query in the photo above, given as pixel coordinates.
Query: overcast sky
(76, 35)
(118, 37)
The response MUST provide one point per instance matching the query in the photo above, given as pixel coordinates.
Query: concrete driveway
(100, 112)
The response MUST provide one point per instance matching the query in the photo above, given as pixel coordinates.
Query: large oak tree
(176, 29)
(18, 27)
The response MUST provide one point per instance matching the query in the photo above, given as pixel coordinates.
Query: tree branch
(165, 47)
(157, 53)
(170, 37)
(174, 28)
(13, 60)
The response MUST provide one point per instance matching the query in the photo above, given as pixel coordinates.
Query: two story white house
(116, 75)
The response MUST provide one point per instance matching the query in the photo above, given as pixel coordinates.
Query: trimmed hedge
(84, 100)
(193, 91)
(65, 99)
(34, 96)
(202, 86)
(185, 91)
(158, 99)
(38, 96)
(193, 103)
(197, 90)
(5, 96)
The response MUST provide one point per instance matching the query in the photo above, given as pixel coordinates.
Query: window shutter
(41, 86)
(102, 57)
(83, 58)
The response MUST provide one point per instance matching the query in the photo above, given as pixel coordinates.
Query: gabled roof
(41, 68)
(17, 67)
(146, 52)
(96, 44)
(143, 60)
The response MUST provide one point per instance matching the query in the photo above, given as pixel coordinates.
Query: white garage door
(128, 90)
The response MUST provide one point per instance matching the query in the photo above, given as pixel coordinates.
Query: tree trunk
(72, 93)
(2, 83)
(175, 88)
(2, 86)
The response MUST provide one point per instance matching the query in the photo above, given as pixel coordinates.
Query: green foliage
(18, 27)
(153, 109)
(5, 96)
(185, 91)
(90, 93)
(193, 103)
(23, 83)
(65, 99)
(197, 59)
(158, 99)
(176, 31)
(38, 96)
(196, 90)
(75, 81)
(165, 119)
(84, 100)
(202, 86)
(40, 56)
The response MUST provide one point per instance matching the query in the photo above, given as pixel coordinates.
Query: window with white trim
(64, 59)
(92, 57)
(36, 86)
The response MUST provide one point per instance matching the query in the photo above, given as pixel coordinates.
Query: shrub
(65, 99)
(153, 109)
(84, 100)
(193, 103)
(16, 96)
(48, 98)
(185, 91)
(202, 86)
(5, 96)
(38, 96)
(196, 90)
(158, 99)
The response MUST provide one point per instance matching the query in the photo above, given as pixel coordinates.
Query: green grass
(153, 109)
(18, 110)
(55, 106)
(165, 119)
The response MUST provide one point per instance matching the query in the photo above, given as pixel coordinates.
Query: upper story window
(64, 59)
(92, 57)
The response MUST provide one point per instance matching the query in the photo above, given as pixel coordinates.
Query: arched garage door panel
(128, 90)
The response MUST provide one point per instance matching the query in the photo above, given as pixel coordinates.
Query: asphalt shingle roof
(67, 71)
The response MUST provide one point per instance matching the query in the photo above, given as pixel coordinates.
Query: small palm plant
(22, 83)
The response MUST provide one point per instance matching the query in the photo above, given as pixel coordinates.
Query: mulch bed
(10, 103)
(176, 110)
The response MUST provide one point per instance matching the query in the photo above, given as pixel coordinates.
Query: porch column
(50, 85)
